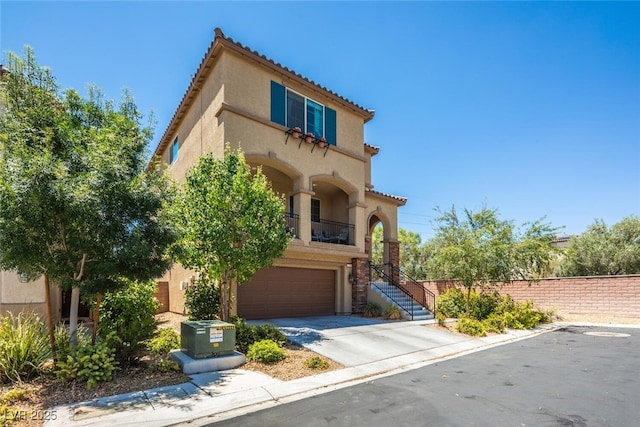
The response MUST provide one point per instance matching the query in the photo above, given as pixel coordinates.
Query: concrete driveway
(354, 341)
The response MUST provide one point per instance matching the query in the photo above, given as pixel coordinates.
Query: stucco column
(360, 284)
(357, 217)
(302, 206)
(343, 290)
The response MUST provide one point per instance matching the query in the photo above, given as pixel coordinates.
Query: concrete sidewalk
(216, 396)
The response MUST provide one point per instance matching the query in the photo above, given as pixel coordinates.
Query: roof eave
(399, 201)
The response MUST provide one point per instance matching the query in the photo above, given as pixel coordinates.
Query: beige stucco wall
(199, 131)
(16, 296)
(14, 292)
(387, 211)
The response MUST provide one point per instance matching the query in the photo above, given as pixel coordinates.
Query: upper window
(291, 109)
(173, 152)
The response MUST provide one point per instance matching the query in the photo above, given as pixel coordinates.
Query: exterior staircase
(410, 309)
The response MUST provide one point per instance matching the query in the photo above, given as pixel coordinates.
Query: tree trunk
(73, 315)
(224, 295)
(96, 318)
(47, 295)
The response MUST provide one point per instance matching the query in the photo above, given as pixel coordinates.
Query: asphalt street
(575, 376)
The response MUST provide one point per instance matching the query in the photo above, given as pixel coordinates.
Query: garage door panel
(287, 292)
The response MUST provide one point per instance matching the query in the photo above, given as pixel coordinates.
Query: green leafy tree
(233, 224)
(413, 254)
(377, 246)
(604, 250)
(76, 202)
(478, 250)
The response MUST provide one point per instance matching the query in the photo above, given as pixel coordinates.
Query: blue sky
(532, 108)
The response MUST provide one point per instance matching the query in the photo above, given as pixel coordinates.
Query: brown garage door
(287, 292)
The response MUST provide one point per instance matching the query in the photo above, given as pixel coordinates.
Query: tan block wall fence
(599, 295)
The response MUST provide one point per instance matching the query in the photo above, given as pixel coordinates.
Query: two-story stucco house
(243, 98)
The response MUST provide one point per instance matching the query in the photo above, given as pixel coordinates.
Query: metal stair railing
(381, 274)
(426, 298)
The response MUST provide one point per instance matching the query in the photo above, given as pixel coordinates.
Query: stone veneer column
(394, 259)
(360, 285)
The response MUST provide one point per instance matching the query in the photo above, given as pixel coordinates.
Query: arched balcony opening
(283, 185)
(331, 219)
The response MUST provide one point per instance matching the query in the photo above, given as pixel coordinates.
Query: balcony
(293, 221)
(332, 232)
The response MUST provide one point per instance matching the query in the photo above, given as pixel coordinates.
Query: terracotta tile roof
(220, 39)
(402, 200)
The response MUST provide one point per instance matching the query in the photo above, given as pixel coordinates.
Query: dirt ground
(27, 404)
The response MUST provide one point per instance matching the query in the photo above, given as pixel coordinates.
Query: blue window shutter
(277, 103)
(330, 125)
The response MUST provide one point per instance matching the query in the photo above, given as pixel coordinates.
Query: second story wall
(247, 118)
(198, 130)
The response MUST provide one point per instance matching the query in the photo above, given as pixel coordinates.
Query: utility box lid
(207, 338)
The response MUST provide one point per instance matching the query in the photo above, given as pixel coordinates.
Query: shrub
(269, 332)
(507, 304)
(163, 341)
(495, 313)
(316, 363)
(520, 315)
(247, 334)
(202, 301)
(62, 339)
(372, 310)
(451, 303)
(90, 363)
(495, 323)
(244, 334)
(440, 317)
(470, 326)
(481, 305)
(392, 312)
(525, 317)
(24, 347)
(127, 318)
(265, 351)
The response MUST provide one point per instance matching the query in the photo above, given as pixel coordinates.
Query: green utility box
(207, 338)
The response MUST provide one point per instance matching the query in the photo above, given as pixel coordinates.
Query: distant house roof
(562, 240)
(400, 200)
(206, 64)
